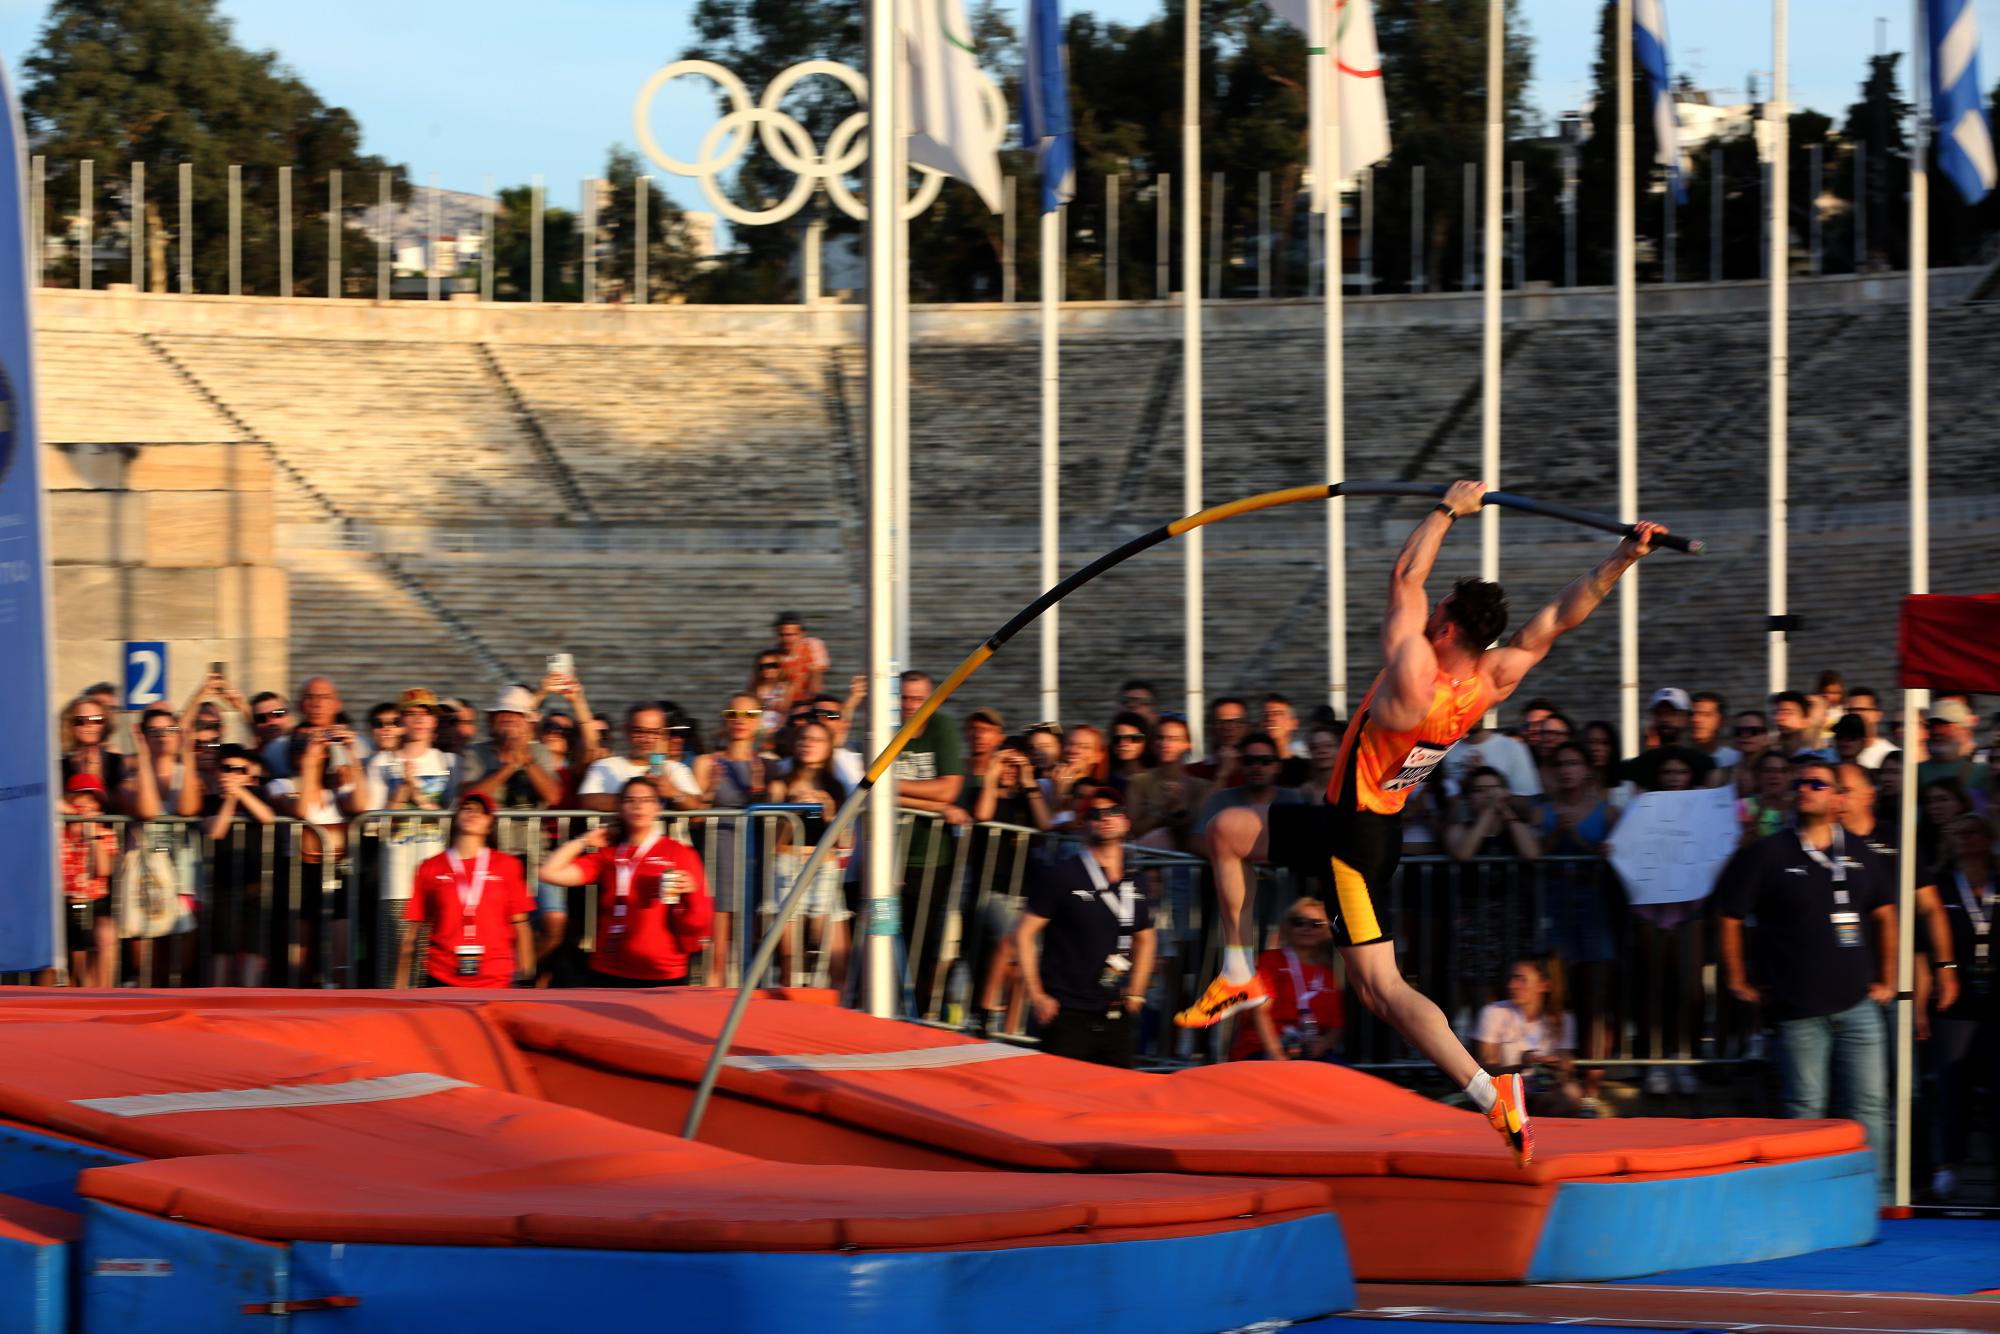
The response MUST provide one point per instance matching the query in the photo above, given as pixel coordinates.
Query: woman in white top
(1530, 1032)
(419, 778)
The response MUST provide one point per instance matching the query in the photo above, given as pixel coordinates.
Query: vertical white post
(1777, 113)
(433, 243)
(1215, 237)
(187, 227)
(1051, 298)
(900, 287)
(642, 245)
(1007, 246)
(1419, 280)
(334, 234)
(1915, 702)
(38, 206)
(1112, 253)
(385, 237)
(1628, 395)
(87, 223)
(1489, 402)
(491, 208)
(1812, 207)
(284, 231)
(1325, 94)
(1163, 231)
(589, 230)
(235, 229)
(1263, 239)
(138, 228)
(1716, 191)
(884, 201)
(1191, 551)
(535, 239)
(814, 285)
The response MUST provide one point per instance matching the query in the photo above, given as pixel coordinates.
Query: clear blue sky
(470, 89)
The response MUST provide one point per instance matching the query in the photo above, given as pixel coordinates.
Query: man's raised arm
(1409, 665)
(1571, 608)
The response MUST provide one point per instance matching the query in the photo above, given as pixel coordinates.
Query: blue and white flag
(1964, 139)
(1649, 47)
(27, 750)
(1045, 123)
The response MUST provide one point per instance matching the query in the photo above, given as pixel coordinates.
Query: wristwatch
(1447, 511)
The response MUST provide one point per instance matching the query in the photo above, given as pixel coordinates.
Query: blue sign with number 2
(145, 674)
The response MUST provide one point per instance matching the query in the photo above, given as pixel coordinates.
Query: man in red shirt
(477, 904)
(653, 907)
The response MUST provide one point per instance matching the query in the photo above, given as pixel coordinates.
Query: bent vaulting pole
(914, 725)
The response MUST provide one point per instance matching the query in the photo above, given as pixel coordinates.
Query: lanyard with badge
(1846, 922)
(1980, 915)
(1307, 1023)
(471, 889)
(1122, 906)
(624, 871)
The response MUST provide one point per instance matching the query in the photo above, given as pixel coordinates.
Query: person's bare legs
(1379, 985)
(1236, 839)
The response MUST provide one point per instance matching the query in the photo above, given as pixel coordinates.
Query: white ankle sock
(1482, 1092)
(1236, 964)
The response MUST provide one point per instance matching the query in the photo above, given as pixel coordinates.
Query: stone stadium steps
(660, 433)
(109, 388)
(387, 432)
(679, 623)
(351, 620)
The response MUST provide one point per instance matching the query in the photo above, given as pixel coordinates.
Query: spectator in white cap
(1948, 730)
(1670, 710)
(511, 768)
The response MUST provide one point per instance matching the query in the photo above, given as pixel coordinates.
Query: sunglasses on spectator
(769, 666)
(385, 722)
(1307, 921)
(163, 731)
(1260, 759)
(830, 715)
(1810, 785)
(268, 715)
(208, 745)
(236, 768)
(1123, 737)
(86, 720)
(738, 715)
(1751, 731)
(564, 728)
(1107, 812)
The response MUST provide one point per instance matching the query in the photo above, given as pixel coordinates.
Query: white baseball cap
(1673, 695)
(514, 699)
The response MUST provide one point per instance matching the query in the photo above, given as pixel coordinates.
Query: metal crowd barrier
(260, 905)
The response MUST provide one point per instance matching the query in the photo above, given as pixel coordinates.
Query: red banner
(1950, 643)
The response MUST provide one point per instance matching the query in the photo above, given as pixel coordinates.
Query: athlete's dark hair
(1479, 610)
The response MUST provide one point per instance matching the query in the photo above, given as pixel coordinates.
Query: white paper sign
(1669, 847)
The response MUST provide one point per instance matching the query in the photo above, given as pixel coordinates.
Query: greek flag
(1045, 123)
(1649, 45)
(1964, 139)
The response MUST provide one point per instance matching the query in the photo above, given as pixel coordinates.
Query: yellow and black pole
(914, 725)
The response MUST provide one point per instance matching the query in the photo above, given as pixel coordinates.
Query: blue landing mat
(1944, 1255)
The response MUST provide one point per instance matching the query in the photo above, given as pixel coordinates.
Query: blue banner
(1964, 139)
(1045, 123)
(27, 749)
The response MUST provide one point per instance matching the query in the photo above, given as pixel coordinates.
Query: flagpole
(1191, 356)
(1915, 702)
(878, 950)
(1051, 295)
(1780, 233)
(1326, 184)
(1489, 445)
(1628, 395)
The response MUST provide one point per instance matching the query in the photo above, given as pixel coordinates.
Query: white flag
(1364, 106)
(945, 109)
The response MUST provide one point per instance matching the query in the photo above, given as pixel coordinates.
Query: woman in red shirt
(1302, 1020)
(477, 903)
(652, 897)
(89, 856)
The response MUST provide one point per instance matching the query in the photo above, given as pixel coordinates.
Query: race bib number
(1416, 768)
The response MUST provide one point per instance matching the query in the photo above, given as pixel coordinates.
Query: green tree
(670, 248)
(164, 82)
(1878, 121)
(514, 249)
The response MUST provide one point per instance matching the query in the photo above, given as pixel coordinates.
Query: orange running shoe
(1510, 1117)
(1222, 999)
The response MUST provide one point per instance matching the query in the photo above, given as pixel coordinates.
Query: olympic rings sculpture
(788, 142)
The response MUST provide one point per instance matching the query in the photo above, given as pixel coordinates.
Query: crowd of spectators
(287, 885)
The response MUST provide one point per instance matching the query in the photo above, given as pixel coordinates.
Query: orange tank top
(1383, 766)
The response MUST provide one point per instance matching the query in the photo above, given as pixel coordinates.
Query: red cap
(84, 783)
(479, 799)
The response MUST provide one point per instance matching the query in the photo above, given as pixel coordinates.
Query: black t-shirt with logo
(1976, 976)
(1811, 953)
(1084, 931)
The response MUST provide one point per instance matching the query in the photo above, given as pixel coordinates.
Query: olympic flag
(1363, 106)
(27, 766)
(1964, 139)
(1649, 44)
(946, 110)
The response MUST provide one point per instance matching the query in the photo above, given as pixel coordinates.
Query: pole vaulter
(1647, 536)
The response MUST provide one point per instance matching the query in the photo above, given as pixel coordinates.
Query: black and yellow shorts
(1356, 851)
